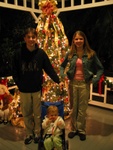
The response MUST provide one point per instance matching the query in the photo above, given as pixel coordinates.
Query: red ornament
(43, 31)
(59, 42)
(61, 60)
(100, 84)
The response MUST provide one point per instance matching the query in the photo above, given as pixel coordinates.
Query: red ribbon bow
(100, 84)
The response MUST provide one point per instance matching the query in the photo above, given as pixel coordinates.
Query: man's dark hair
(30, 29)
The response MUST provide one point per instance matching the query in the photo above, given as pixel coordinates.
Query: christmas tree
(52, 39)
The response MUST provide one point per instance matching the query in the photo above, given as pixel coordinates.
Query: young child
(53, 125)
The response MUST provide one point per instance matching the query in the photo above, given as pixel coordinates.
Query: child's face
(52, 116)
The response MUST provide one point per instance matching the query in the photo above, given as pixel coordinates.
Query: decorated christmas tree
(52, 39)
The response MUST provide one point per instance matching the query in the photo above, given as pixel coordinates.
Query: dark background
(97, 23)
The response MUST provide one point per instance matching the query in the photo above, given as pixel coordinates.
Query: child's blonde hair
(52, 109)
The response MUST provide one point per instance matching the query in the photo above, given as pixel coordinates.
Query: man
(28, 64)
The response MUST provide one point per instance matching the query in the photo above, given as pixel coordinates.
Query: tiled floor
(99, 133)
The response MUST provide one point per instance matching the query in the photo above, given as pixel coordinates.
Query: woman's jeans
(79, 97)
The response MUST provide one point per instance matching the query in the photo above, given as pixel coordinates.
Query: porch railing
(63, 5)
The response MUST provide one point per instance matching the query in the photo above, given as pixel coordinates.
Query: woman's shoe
(82, 137)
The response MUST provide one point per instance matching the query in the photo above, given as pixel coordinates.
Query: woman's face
(78, 41)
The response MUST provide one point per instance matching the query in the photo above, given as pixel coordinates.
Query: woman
(84, 68)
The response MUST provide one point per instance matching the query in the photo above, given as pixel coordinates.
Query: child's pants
(53, 142)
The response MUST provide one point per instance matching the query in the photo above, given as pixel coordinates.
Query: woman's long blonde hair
(86, 45)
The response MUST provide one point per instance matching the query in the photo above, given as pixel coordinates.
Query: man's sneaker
(82, 137)
(36, 138)
(28, 139)
(72, 134)
(5, 122)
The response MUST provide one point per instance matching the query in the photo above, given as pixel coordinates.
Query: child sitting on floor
(53, 125)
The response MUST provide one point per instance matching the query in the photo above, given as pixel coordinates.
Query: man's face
(30, 40)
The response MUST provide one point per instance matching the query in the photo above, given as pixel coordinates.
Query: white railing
(82, 4)
(63, 5)
(24, 5)
(104, 103)
(92, 101)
